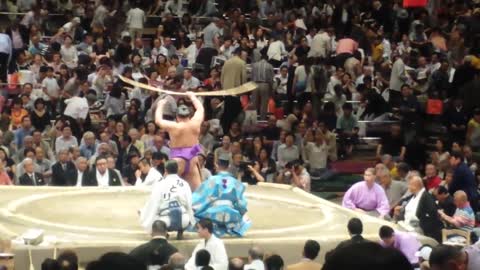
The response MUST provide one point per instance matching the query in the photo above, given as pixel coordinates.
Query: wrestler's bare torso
(184, 133)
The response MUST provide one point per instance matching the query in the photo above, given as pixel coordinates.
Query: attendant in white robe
(209, 242)
(152, 176)
(170, 202)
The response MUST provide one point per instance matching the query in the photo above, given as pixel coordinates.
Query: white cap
(424, 253)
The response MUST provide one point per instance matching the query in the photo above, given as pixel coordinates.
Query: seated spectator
(390, 164)
(30, 177)
(445, 201)
(274, 262)
(473, 130)
(236, 264)
(157, 251)
(393, 144)
(444, 257)
(146, 175)
(310, 253)
(355, 230)
(202, 260)
(405, 242)
(17, 113)
(367, 196)
(66, 140)
(62, 170)
(224, 149)
(368, 255)
(255, 259)
(464, 217)
(68, 260)
(432, 181)
(395, 190)
(116, 260)
(419, 210)
(5, 179)
(288, 152)
(347, 128)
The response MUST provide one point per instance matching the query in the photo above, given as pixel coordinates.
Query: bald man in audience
(464, 217)
(419, 210)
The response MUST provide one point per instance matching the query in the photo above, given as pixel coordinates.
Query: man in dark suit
(420, 210)
(63, 171)
(81, 171)
(463, 179)
(157, 251)
(101, 175)
(355, 229)
(30, 177)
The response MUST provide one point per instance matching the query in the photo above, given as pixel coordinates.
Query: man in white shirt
(190, 83)
(321, 44)
(81, 165)
(135, 20)
(255, 259)
(65, 141)
(193, 49)
(316, 153)
(170, 202)
(76, 111)
(209, 242)
(101, 175)
(6, 48)
(276, 51)
(152, 176)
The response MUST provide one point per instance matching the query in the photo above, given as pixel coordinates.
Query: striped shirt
(262, 71)
(465, 217)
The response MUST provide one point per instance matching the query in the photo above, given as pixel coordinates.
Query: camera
(244, 165)
(293, 164)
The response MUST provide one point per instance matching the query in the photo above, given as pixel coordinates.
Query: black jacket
(354, 240)
(25, 180)
(91, 179)
(65, 177)
(427, 214)
(155, 252)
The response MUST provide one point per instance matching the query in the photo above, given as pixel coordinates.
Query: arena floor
(96, 220)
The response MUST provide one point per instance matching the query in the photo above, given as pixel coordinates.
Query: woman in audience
(162, 66)
(9, 164)
(150, 132)
(40, 116)
(5, 179)
(268, 167)
(440, 152)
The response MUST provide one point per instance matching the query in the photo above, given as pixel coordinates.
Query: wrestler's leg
(181, 165)
(193, 177)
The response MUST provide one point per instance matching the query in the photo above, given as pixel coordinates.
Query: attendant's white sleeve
(221, 262)
(190, 265)
(148, 213)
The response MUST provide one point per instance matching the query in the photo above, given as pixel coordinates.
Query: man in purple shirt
(367, 196)
(405, 242)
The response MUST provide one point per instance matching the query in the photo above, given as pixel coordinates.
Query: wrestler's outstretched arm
(166, 124)
(199, 110)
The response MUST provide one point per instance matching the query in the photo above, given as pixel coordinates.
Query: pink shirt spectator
(5, 179)
(346, 45)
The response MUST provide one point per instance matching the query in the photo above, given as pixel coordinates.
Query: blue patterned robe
(221, 199)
